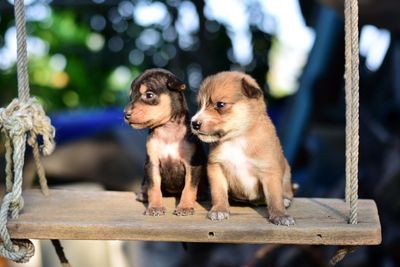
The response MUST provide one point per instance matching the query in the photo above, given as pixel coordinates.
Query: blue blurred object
(329, 28)
(71, 125)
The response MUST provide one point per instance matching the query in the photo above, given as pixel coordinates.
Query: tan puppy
(246, 158)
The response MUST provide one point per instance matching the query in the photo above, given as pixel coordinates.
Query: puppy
(175, 160)
(246, 158)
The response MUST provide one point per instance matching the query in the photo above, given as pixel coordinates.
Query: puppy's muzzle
(196, 125)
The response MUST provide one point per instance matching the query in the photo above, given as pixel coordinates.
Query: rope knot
(21, 117)
(22, 250)
(14, 119)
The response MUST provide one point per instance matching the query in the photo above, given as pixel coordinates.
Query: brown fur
(175, 162)
(246, 158)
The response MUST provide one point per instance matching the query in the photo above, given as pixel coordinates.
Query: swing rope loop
(21, 122)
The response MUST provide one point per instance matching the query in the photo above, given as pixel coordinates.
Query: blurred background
(84, 54)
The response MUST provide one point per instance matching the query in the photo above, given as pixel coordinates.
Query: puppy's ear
(251, 89)
(175, 84)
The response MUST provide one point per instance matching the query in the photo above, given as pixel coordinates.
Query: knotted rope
(23, 120)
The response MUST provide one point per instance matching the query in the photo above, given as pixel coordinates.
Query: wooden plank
(106, 215)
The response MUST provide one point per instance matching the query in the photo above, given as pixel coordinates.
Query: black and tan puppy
(175, 161)
(246, 158)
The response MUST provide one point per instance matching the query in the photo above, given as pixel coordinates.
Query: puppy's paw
(287, 202)
(183, 211)
(155, 211)
(218, 214)
(282, 220)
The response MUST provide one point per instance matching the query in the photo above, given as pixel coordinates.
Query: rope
(341, 253)
(352, 117)
(22, 54)
(60, 253)
(352, 105)
(9, 163)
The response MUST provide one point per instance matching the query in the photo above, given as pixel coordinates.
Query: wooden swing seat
(107, 215)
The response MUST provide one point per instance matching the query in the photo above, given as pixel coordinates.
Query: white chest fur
(239, 168)
(169, 150)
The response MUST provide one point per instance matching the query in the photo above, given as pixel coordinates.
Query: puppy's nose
(196, 125)
(127, 115)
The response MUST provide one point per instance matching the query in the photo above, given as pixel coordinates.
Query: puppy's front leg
(273, 191)
(155, 207)
(142, 195)
(219, 193)
(189, 193)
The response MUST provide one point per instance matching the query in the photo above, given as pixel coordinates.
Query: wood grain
(107, 215)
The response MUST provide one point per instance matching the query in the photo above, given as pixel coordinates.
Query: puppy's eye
(148, 95)
(219, 105)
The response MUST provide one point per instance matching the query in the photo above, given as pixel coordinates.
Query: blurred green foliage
(93, 51)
